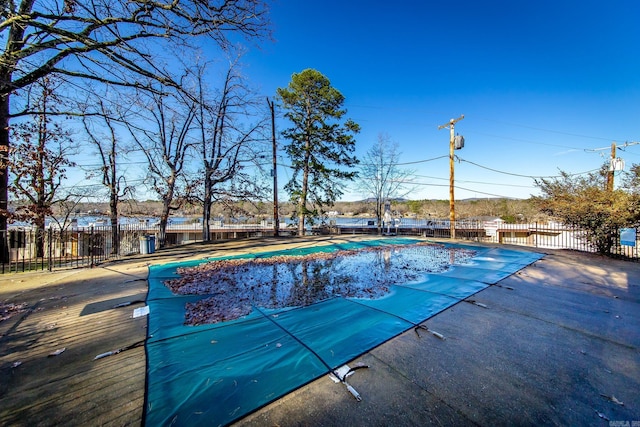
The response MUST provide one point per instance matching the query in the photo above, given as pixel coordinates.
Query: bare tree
(39, 159)
(381, 178)
(110, 41)
(228, 143)
(65, 208)
(166, 145)
(109, 150)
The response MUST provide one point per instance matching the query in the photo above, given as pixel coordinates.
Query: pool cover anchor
(353, 391)
(128, 303)
(120, 350)
(474, 302)
(338, 375)
(434, 333)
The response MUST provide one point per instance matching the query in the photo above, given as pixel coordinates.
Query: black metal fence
(24, 249)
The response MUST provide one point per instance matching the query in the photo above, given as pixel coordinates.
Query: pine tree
(320, 147)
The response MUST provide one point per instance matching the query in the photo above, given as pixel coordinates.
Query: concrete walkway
(557, 343)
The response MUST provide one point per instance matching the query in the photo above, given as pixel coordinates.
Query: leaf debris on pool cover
(236, 285)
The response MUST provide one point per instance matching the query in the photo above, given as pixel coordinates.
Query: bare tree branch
(226, 140)
(109, 41)
(380, 177)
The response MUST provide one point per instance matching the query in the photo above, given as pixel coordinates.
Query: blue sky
(541, 84)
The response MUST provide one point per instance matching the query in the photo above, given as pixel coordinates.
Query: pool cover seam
(405, 286)
(299, 341)
(395, 315)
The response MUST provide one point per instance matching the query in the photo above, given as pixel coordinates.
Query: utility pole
(452, 211)
(615, 164)
(611, 171)
(276, 219)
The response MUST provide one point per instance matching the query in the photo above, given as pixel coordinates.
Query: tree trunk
(162, 237)
(40, 233)
(206, 209)
(301, 215)
(4, 171)
(379, 214)
(164, 220)
(113, 214)
(206, 219)
(41, 204)
(302, 203)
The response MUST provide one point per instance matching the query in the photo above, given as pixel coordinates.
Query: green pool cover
(215, 374)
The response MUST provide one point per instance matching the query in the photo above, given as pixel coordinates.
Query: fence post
(91, 246)
(4, 249)
(50, 254)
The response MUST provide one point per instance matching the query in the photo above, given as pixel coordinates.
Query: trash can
(152, 244)
(144, 245)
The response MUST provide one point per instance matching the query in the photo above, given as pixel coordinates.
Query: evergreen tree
(320, 147)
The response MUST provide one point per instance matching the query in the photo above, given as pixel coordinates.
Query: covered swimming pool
(216, 373)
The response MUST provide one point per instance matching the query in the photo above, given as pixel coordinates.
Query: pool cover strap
(341, 378)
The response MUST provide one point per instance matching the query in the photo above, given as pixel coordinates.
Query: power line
(560, 132)
(463, 188)
(527, 141)
(403, 163)
(546, 130)
(421, 161)
(622, 147)
(476, 182)
(520, 175)
(100, 165)
(482, 192)
(98, 184)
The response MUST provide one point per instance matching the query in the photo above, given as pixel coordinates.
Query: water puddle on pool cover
(234, 286)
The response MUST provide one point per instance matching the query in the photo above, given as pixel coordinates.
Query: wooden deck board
(75, 312)
(74, 309)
